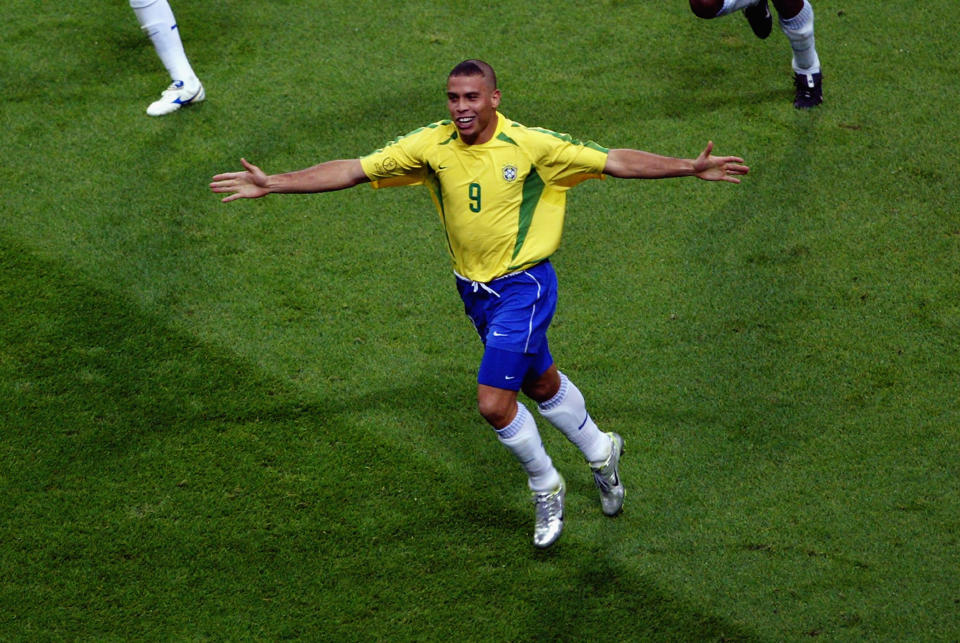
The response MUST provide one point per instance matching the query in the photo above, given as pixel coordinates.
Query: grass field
(257, 420)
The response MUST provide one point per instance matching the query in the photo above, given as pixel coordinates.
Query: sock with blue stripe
(567, 410)
(157, 21)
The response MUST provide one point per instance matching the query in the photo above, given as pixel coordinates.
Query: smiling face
(473, 100)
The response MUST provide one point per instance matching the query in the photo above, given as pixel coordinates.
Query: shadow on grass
(160, 487)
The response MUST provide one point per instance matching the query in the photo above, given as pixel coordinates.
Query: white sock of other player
(729, 6)
(567, 410)
(799, 30)
(523, 440)
(157, 21)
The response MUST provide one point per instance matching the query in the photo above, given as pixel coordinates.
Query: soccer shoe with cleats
(607, 477)
(809, 90)
(549, 515)
(758, 15)
(176, 96)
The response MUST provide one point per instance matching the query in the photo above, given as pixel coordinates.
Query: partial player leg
(757, 12)
(796, 22)
(158, 22)
(716, 8)
(760, 19)
(522, 439)
(566, 409)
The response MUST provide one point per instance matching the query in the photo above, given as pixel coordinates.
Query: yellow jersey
(501, 203)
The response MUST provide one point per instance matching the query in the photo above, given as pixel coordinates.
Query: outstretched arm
(636, 164)
(253, 183)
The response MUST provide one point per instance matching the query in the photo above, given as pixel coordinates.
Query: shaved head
(473, 99)
(474, 67)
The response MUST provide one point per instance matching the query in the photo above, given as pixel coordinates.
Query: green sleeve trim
(569, 139)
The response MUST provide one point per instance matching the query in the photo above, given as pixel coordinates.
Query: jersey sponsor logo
(509, 173)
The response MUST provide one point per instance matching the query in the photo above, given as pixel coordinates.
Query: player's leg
(517, 431)
(158, 22)
(563, 405)
(496, 315)
(796, 22)
(757, 12)
(560, 401)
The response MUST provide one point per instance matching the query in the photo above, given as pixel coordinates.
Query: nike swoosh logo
(509, 377)
(189, 100)
(496, 334)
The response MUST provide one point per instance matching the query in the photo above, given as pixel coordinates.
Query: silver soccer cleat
(607, 477)
(549, 510)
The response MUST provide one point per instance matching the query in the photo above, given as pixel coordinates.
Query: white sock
(157, 21)
(567, 411)
(799, 31)
(729, 6)
(523, 440)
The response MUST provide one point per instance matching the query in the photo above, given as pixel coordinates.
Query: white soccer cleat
(549, 510)
(176, 96)
(607, 477)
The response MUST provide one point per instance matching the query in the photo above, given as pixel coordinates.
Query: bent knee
(497, 416)
(497, 411)
(541, 390)
(706, 8)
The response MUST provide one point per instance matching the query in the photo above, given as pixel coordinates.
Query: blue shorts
(512, 315)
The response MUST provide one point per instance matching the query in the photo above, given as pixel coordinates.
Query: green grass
(256, 420)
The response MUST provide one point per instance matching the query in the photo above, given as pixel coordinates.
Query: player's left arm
(637, 164)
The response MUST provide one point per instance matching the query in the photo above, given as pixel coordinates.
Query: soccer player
(157, 21)
(796, 22)
(500, 191)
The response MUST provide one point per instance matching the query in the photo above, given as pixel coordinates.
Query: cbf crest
(509, 173)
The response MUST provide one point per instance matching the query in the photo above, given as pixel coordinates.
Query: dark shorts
(512, 315)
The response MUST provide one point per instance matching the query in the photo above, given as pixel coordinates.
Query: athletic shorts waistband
(506, 276)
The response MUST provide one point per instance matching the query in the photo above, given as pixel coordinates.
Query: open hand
(249, 184)
(718, 168)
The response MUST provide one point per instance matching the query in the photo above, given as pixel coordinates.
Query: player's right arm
(254, 183)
